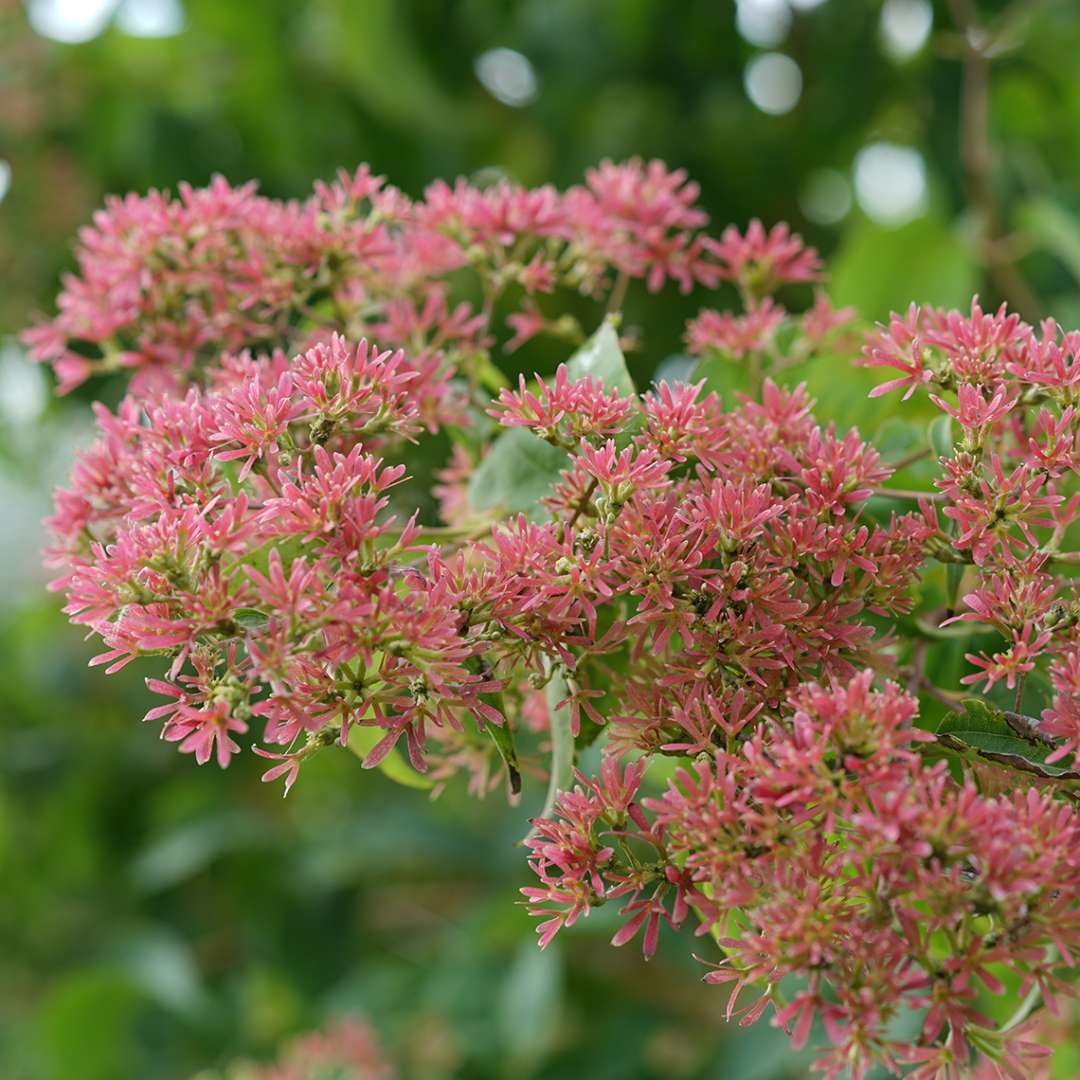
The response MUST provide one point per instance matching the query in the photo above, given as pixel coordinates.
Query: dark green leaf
(503, 738)
(1054, 228)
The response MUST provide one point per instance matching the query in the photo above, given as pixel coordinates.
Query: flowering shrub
(729, 584)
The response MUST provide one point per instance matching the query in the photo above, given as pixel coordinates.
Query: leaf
(722, 376)
(518, 472)
(503, 738)
(85, 1025)
(602, 358)
(393, 766)
(879, 269)
(986, 729)
(162, 964)
(521, 468)
(929, 628)
(1055, 229)
(193, 846)
(491, 377)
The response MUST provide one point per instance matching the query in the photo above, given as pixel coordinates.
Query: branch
(976, 154)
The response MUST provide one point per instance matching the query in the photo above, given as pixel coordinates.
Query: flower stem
(562, 741)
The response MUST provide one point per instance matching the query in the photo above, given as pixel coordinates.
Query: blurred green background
(157, 919)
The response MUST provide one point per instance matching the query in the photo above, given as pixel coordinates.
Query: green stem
(618, 293)
(562, 741)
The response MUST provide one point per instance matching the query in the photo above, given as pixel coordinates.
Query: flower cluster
(843, 877)
(165, 286)
(243, 533)
(1007, 491)
(725, 584)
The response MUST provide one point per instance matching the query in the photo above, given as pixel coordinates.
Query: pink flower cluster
(1007, 491)
(758, 263)
(843, 877)
(723, 585)
(243, 533)
(164, 286)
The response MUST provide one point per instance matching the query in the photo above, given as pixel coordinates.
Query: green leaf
(490, 376)
(503, 738)
(954, 577)
(602, 358)
(518, 472)
(986, 729)
(722, 376)
(393, 766)
(190, 848)
(879, 269)
(1055, 229)
(86, 1023)
(929, 628)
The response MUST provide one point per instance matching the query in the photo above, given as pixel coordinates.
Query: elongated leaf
(529, 1006)
(1055, 229)
(940, 435)
(986, 729)
(503, 738)
(562, 741)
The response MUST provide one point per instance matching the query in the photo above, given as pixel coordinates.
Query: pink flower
(200, 732)
(737, 335)
(973, 411)
(760, 260)
(565, 411)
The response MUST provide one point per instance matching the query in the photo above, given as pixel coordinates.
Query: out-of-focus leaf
(1054, 229)
(722, 376)
(85, 1026)
(393, 766)
(881, 270)
(162, 964)
(189, 849)
(517, 473)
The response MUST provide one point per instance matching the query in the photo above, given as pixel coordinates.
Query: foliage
(239, 878)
